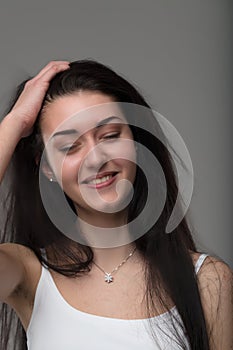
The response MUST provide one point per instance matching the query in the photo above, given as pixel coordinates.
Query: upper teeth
(102, 179)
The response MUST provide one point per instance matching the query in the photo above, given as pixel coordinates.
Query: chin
(110, 205)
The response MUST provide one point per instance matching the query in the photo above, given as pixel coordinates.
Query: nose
(96, 156)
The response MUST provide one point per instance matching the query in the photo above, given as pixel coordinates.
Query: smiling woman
(79, 152)
(68, 129)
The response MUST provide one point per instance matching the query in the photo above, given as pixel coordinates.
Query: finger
(49, 66)
(48, 74)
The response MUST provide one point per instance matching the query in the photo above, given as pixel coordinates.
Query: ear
(46, 169)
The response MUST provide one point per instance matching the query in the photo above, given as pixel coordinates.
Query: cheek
(129, 156)
(67, 170)
(132, 171)
(128, 167)
(126, 148)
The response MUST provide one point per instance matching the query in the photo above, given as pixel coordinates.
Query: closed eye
(111, 136)
(106, 137)
(65, 149)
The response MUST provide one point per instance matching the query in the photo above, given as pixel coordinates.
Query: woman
(64, 290)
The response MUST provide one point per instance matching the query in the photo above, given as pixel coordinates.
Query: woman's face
(88, 138)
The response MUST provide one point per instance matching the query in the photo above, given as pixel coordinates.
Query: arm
(17, 124)
(12, 271)
(10, 134)
(215, 281)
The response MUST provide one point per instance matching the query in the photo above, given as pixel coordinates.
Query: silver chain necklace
(108, 275)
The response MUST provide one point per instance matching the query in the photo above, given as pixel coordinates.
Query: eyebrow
(74, 131)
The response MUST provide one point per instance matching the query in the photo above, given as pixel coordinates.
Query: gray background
(178, 53)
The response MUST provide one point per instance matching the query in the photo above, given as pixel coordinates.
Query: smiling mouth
(102, 181)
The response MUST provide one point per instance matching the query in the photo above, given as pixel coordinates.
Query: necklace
(108, 275)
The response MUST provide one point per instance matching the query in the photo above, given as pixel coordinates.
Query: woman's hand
(19, 122)
(28, 105)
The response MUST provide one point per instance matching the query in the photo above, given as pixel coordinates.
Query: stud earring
(51, 180)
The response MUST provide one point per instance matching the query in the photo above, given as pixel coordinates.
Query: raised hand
(19, 121)
(28, 105)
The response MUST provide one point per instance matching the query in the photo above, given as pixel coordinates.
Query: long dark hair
(169, 266)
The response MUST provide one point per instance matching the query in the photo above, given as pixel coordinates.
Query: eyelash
(65, 149)
(108, 137)
(113, 135)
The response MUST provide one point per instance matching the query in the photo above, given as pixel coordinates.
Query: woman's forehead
(82, 111)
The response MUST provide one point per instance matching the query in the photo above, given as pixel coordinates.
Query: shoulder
(214, 273)
(215, 283)
(19, 252)
(215, 277)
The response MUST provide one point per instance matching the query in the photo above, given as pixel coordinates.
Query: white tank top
(56, 325)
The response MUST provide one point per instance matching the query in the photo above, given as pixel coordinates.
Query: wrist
(13, 123)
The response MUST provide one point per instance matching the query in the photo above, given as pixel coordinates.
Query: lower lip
(103, 184)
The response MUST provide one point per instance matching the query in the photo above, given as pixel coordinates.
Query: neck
(108, 236)
(110, 258)
(101, 219)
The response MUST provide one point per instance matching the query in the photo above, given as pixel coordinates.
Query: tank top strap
(199, 262)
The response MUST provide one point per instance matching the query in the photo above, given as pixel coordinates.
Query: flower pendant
(108, 277)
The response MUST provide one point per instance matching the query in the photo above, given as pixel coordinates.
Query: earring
(51, 180)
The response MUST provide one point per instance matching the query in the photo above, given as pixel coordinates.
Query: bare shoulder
(214, 275)
(19, 253)
(211, 267)
(215, 272)
(16, 250)
(215, 282)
